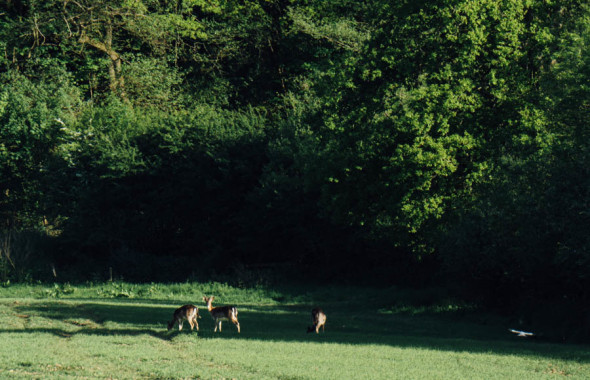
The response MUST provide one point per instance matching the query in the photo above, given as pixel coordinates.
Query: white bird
(521, 333)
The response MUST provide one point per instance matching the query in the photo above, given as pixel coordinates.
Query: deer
(188, 312)
(318, 318)
(222, 313)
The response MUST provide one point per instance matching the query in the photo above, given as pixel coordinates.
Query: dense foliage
(411, 142)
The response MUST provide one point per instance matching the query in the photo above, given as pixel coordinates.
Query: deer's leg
(235, 322)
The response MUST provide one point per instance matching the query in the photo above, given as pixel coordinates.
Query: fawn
(222, 313)
(318, 318)
(188, 312)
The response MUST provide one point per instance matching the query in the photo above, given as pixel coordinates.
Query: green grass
(118, 331)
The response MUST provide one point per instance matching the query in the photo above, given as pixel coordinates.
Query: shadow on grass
(63, 333)
(289, 323)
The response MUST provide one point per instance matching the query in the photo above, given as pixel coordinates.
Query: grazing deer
(188, 312)
(222, 313)
(318, 318)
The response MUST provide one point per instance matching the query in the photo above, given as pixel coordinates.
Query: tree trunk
(117, 82)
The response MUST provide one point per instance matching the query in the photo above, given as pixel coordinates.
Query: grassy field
(118, 330)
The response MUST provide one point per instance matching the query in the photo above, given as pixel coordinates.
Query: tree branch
(84, 39)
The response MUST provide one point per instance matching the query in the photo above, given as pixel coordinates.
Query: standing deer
(318, 318)
(188, 312)
(222, 313)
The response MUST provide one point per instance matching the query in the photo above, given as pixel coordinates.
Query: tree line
(409, 142)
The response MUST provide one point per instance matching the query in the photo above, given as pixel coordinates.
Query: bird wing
(521, 333)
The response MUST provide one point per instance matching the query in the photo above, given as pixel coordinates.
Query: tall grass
(118, 330)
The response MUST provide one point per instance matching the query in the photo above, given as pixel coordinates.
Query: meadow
(118, 330)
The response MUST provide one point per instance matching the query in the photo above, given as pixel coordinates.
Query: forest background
(438, 143)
